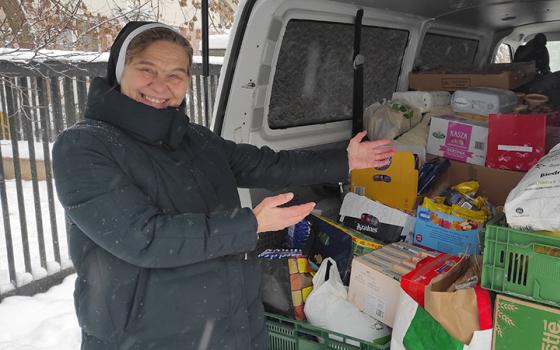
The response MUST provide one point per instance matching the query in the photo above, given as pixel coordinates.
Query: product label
(527, 149)
(455, 83)
(550, 336)
(457, 142)
(425, 215)
(375, 307)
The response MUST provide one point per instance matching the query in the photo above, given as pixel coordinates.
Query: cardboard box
(521, 325)
(394, 185)
(372, 291)
(458, 138)
(495, 184)
(516, 141)
(446, 233)
(552, 130)
(502, 76)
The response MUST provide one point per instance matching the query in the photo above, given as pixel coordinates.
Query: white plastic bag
(534, 203)
(387, 121)
(327, 307)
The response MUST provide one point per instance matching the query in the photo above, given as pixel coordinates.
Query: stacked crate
(526, 266)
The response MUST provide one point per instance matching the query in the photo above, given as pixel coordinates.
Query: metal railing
(37, 101)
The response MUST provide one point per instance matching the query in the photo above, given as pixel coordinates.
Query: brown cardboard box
(503, 75)
(495, 184)
(372, 291)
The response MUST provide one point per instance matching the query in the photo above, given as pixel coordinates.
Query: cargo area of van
(469, 92)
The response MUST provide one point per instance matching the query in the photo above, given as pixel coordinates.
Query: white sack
(534, 203)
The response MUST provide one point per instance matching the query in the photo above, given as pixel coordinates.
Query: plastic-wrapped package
(425, 101)
(534, 203)
(483, 101)
(387, 121)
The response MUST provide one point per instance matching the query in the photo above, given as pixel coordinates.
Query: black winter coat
(161, 245)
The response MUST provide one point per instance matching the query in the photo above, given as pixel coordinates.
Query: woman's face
(157, 76)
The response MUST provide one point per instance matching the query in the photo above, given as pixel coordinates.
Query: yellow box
(395, 185)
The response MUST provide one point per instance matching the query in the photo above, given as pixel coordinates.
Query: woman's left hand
(368, 154)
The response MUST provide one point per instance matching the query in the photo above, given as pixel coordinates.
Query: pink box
(458, 138)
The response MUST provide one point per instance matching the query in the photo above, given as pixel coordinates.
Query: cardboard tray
(503, 76)
(495, 184)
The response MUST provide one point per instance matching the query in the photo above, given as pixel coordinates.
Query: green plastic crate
(521, 263)
(288, 334)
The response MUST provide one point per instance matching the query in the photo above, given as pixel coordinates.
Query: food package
(287, 281)
(483, 101)
(425, 101)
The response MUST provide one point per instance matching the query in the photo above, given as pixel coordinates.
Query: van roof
(494, 15)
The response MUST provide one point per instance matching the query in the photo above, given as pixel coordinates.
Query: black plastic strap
(358, 87)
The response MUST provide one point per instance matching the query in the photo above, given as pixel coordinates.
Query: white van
(287, 78)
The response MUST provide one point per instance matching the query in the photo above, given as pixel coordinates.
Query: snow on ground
(15, 226)
(216, 41)
(23, 149)
(45, 321)
(26, 55)
(211, 59)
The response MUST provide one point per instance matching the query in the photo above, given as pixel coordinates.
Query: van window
(503, 55)
(440, 50)
(314, 76)
(554, 55)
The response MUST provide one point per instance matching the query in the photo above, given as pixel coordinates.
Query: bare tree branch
(17, 22)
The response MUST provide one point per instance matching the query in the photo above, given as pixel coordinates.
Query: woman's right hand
(271, 217)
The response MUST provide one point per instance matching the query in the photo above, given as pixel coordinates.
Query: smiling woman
(157, 68)
(157, 76)
(164, 252)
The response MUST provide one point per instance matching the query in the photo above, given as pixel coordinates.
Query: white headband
(122, 52)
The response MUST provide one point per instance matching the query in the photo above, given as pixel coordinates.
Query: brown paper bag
(455, 310)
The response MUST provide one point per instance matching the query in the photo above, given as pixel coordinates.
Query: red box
(552, 130)
(414, 283)
(516, 141)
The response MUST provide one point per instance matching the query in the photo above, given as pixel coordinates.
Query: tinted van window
(313, 79)
(439, 50)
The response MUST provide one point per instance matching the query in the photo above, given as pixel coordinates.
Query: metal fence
(37, 101)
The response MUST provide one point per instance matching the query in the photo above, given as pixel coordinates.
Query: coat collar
(145, 123)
